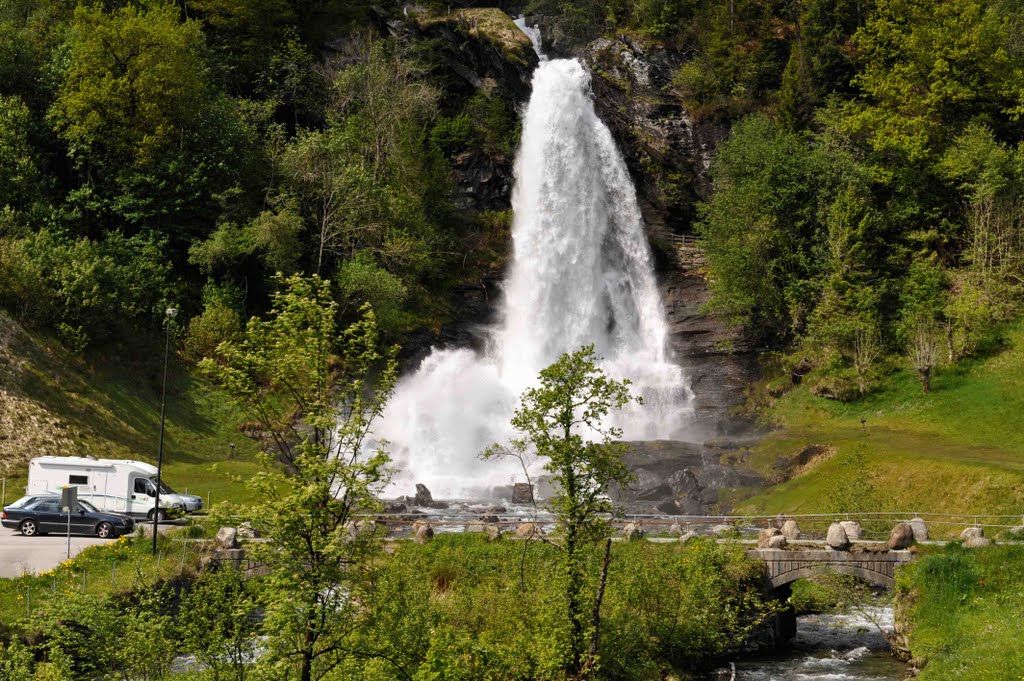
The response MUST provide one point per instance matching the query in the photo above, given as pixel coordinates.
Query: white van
(114, 485)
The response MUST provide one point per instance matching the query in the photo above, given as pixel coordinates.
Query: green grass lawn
(966, 610)
(959, 449)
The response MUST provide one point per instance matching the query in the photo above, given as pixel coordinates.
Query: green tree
(316, 392)
(217, 623)
(930, 67)
(153, 142)
(563, 420)
(19, 170)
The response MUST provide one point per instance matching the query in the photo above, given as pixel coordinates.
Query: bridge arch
(811, 570)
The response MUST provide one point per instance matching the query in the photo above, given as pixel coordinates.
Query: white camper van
(115, 485)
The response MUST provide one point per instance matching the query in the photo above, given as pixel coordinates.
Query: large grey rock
(765, 535)
(777, 541)
(527, 530)
(972, 533)
(852, 529)
(247, 531)
(633, 532)
(901, 537)
(675, 529)
(791, 530)
(687, 536)
(493, 532)
(836, 538)
(977, 542)
(522, 493)
(227, 538)
(723, 530)
(422, 532)
(920, 529)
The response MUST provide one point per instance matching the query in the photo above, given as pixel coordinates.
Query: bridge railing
(875, 525)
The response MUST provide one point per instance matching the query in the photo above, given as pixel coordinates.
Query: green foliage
(216, 623)
(84, 284)
(317, 408)
(562, 421)
(19, 170)
(361, 281)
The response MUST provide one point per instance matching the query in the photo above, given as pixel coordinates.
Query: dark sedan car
(42, 514)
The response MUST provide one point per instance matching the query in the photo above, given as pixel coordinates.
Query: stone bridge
(782, 568)
(877, 567)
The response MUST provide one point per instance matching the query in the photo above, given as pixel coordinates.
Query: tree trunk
(926, 379)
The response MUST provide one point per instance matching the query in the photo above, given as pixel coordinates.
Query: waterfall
(581, 273)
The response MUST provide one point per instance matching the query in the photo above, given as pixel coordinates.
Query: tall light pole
(171, 314)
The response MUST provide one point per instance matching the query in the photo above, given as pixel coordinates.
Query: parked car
(40, 514)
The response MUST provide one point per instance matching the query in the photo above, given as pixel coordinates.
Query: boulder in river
(522, 493)
(901, 537)
(836, 538)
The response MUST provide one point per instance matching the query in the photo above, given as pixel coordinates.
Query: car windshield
(164, 489)
(87, 507)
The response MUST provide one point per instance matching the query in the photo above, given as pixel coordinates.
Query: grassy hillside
(54, 403)
(959, 449)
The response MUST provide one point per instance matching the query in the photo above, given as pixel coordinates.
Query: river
(830, 647)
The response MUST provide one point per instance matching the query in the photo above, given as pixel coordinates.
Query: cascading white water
(581, 273)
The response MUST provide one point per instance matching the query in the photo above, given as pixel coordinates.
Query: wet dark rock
(522, 493)
(423, 496)
(490, 519)
(678, 478)
(669, 507)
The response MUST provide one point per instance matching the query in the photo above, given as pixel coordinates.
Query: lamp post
(171, 314)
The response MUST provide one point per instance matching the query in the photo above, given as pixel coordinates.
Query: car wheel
(29, 528)
(104, 530)
(160, 515)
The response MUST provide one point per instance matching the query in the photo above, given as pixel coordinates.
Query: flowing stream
(581, 273)
(833, 647)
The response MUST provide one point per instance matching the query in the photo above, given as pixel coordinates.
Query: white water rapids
(581, 273)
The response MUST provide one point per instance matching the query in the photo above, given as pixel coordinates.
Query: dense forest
(159, 153)
(866, 205)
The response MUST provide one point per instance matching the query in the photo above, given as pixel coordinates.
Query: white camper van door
(143, 495)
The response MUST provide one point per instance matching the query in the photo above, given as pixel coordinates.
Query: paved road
(19, 554)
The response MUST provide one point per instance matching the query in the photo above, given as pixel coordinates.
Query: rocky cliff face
(667, 152)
